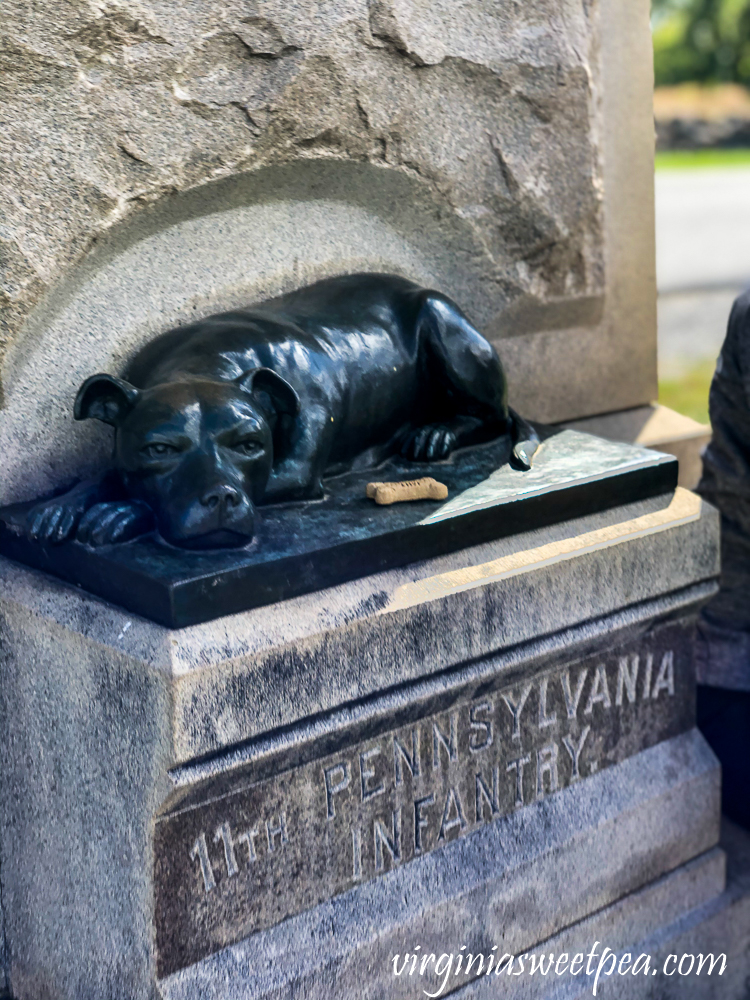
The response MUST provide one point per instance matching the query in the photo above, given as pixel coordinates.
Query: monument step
(679, 915)
(633, 925)
(569, 648)
(657, 427)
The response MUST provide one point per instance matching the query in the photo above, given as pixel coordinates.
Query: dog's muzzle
(222, 517)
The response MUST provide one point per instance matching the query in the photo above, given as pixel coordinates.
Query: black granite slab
(302, 547)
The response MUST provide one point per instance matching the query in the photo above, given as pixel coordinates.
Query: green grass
(689, 394)
(688, 159)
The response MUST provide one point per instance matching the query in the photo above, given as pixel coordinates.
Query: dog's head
(199, 452)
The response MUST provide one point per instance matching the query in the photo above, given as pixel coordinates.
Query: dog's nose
(225, 496)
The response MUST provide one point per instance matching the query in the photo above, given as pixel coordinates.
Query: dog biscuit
(413, 489)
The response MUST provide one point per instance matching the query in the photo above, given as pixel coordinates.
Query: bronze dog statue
(259, 405)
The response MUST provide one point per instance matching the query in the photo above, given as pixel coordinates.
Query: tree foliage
(704, 40)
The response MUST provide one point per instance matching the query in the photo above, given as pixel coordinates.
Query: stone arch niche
(501, 152)
(214, 248)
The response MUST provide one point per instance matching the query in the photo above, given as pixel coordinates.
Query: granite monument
(244, 772)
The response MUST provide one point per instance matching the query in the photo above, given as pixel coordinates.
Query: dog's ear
(106, 398)
(282, 396)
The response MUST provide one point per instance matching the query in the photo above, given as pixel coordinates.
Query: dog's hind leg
(471, 403)
(298, 474)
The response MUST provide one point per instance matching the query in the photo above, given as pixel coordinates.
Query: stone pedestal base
(481, 749)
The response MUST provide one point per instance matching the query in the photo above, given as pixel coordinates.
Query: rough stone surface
(685, 912)
(513, 883)
(719, 926)
(679, 914)
(682, 913)
(86, 747)
(109, 109)
(619, 927)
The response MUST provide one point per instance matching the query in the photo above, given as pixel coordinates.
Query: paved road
(702, 260)
(702, 228)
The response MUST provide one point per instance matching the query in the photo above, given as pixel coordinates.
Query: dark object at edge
(724, 626)
(726, 472)
(724, 719)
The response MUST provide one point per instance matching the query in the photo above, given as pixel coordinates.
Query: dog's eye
(248, 448)
(158, 450)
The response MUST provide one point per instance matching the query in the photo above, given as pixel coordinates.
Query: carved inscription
(241, 861)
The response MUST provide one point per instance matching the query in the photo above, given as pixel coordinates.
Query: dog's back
(360, 322)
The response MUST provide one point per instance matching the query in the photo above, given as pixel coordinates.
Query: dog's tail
(525, 442)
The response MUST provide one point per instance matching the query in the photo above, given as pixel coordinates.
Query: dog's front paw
(107, 523)
(55, 520)
(429, 444)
